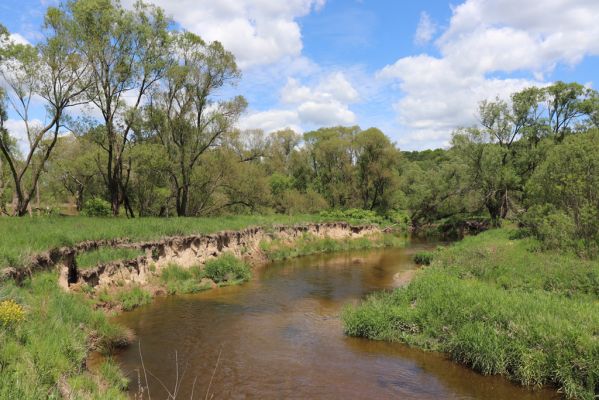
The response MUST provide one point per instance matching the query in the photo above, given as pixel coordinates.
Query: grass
(26, 236)
(227, 268)
(310, 244)
(104, 255)
(423, 257)
(52, 341)
(180, 280)
(500, 307)
(134, 297)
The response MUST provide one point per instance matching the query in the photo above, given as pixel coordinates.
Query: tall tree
(377, 169)
(182, 112)
(52, 71)
(127, 54)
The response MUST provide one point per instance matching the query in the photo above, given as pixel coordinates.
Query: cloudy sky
(414, 69)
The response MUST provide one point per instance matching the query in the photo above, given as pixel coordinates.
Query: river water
(279, 336)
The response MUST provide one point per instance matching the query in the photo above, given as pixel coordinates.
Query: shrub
(11, 313)
(227, 268)
(134, 298)
(96, 207)
(423, 258)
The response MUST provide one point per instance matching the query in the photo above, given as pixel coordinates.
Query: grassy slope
(25, 236)
(51, 344)
(499, 307)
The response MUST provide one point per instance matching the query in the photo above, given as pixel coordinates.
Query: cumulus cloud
(484, 40)
(258, 32)
(322, 104)
(425, 30)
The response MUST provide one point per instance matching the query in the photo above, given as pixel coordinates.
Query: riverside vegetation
(47, 332)
(500, 306)
(521, 301)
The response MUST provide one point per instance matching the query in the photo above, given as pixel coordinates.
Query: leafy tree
(332, 157)
(126, 51)
(566, 188)
(377, 174)
(52, 71)
(182, 113)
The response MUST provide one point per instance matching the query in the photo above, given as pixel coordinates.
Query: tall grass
(310, 244)
(51, 343)
(487, 303)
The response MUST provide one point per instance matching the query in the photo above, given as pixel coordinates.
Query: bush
(423, 258)
(182, 280)
(133, 298)
(11, 313)
(227, 268)
(96, 207)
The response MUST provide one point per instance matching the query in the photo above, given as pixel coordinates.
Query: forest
(135, 123)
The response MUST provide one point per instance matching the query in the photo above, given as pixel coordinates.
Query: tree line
(135, 116)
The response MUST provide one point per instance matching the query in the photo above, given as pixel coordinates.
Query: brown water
(279, 336)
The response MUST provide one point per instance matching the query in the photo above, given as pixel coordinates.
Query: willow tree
(52, 71)
(126, 51)
(183, 114)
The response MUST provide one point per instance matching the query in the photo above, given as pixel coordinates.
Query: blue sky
(417, 70)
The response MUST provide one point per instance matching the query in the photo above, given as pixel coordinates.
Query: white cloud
(17, 130)
(484, 40)
(425, 30)
(18, 39)
(271, 120)
(258, 32)
(324, 104)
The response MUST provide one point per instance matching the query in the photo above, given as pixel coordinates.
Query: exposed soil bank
(185, 251)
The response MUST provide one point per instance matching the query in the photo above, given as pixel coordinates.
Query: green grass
(180, 280)
(23, 237)
(52, 341)
(310, 244)
(133, 297)
(423, 257)
(104, 255)
(227, 268)
(499, 307)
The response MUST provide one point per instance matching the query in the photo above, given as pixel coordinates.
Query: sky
(415, 70)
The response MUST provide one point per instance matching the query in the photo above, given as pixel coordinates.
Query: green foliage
(227, 268)
(96, 207)
(310, 244)
(52, 341)
(424, 257)
(182, 280)
(498, 307)
(564, 192)
(133, 297)
(111, 372)
(104, 255)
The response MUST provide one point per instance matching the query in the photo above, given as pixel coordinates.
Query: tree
(182, 113)
(565, 104)
(54, 72)
(565, 189)
(332, 157)
(377, 174)
(127, 54)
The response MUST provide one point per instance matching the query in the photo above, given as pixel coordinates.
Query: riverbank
(500, 306)
(44, 355)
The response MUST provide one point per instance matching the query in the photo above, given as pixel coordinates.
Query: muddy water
(279, 336)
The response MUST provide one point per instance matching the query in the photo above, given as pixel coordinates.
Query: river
(279, 336)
